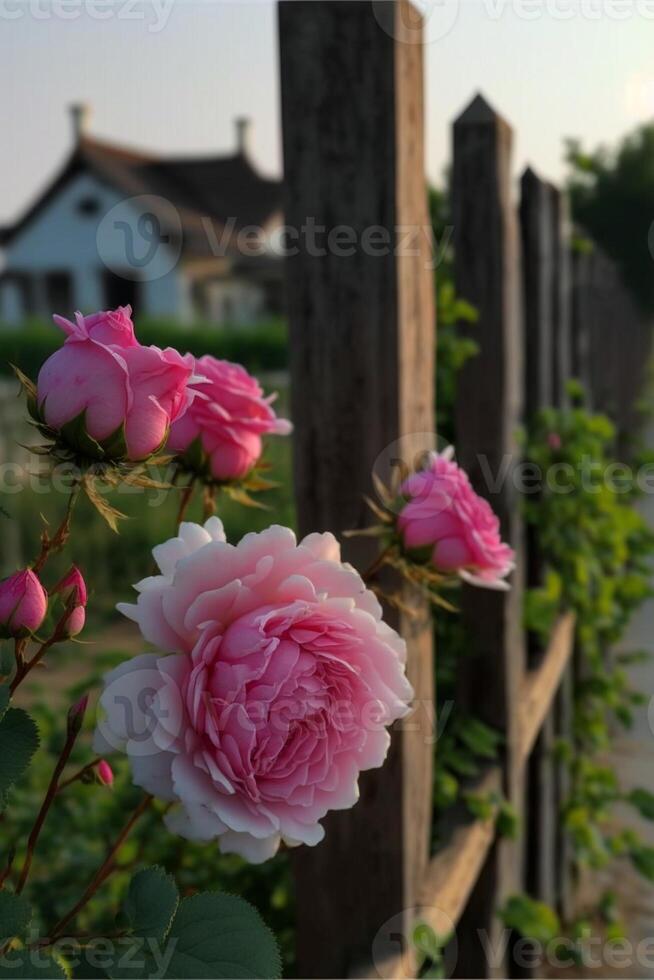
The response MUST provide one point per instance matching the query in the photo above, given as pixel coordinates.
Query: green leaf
(7, 661)
(642, 859)
(28, 964)
(5, 696)
(151, 903)
(643, 801)
(15, 916)
(219, 936)
(19, 738)
(532, 919)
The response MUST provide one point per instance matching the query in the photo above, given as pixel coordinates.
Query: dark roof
(218, 188)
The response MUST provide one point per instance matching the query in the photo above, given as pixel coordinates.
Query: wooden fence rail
(362, 325)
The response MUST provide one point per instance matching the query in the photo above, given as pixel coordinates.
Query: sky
(171, 75)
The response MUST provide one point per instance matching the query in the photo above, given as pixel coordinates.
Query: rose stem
(22, 668)
(48, 544)
(184, 502)
(78, 775)
(73, 732)
(369, 574)
(209, 502)
(105, 869)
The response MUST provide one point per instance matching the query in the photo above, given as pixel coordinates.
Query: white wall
(62, 239)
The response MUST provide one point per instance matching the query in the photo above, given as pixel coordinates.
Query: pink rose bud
(447, 522)
(23, 604)
(108, 396)
(72, 589)
(105, 773)
(554, 441)
(76, 715)
(225, 421)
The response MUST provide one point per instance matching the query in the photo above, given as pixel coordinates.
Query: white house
(189, 238)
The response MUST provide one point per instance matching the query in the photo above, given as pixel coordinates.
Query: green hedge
(259, 346)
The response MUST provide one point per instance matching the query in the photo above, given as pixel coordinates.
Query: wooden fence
(362, 325)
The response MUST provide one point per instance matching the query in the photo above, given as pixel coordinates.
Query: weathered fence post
(540, 270)
(489, 407)
(561, 302)
(362, 322)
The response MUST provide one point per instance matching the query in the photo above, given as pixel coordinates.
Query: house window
(88, 206)
(120, 291)
(59, 292)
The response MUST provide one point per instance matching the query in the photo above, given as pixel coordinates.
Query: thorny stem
(23, 668)
(45, 807)
(7, 869)
(56, 543)
(105, 869)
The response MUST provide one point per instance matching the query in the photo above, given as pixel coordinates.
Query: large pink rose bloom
(130, 394)
(279, 685)
(457, 527)
(229, 415)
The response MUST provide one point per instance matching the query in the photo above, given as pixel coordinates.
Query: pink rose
(23, 604)
(554, 441)
(445, 516)
(279, 685)
(229, 415)
(127, 395)
(72, 589)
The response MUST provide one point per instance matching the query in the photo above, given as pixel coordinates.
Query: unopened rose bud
(105, 773)
(76, 715)
(72, 589)
(23, 604)
(554, 441)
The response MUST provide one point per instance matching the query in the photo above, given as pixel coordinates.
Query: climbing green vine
(596, 549)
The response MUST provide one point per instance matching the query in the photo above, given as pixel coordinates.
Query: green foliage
(643, 801)
(597, 551)
(612, 197)
(259, 346)
(209, 935)
(28, 964)
(220, 936)
(429, 952)
(19, 738)
(15, 916)
(531, 919)
(151, 903)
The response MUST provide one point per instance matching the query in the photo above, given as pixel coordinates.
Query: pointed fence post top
(479, 112)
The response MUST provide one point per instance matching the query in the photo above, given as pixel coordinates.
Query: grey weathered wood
(488, 411)
(539, 270)
(362, 368)
(561, 287)
(582, 316)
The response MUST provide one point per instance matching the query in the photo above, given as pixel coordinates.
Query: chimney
(80, 115)
(243, 125)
